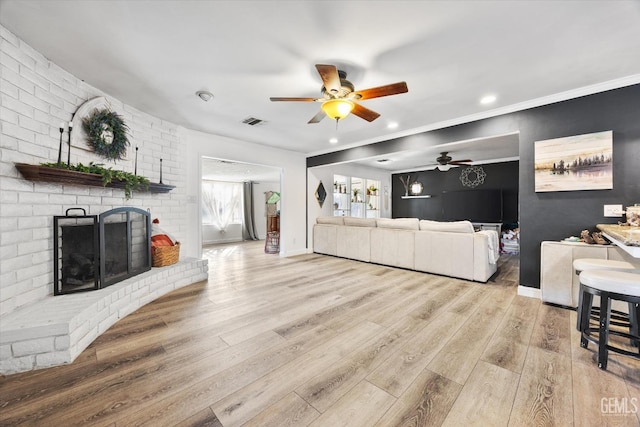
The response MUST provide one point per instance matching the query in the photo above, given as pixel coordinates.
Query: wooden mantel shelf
(63, 176)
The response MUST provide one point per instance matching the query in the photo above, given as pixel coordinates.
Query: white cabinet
(559, 283)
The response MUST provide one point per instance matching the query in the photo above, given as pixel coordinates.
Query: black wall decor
(543, 216)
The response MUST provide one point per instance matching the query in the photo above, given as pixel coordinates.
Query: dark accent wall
(554, 215)
(499, 176)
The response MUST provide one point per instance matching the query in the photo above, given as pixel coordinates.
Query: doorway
(233, 200)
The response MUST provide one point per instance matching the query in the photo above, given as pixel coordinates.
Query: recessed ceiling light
(333, 140)
(488, 99)
(392, 125)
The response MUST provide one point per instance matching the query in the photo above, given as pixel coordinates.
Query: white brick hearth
(55, 330)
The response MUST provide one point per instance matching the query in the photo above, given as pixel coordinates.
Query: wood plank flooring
(321, 341)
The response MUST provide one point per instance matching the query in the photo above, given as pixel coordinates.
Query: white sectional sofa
(447, 248)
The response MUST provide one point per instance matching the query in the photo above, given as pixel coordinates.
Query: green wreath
(106, 134)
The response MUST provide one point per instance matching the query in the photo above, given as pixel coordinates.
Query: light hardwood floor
(323, 341)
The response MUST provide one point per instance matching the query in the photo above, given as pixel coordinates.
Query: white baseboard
(219, 241)
(527, 291)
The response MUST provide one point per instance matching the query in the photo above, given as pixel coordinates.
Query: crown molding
(533, 103)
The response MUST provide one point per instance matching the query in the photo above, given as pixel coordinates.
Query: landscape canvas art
(581, 162)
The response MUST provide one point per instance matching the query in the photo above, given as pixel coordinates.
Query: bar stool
(582, 264)
(609, 285)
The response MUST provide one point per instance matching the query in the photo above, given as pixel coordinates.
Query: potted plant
(372, 190)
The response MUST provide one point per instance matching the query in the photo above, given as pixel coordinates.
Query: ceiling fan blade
(330, 78)
(458, 162)
(315, 119)
(377, 92)
(292, 99)
(364, 113)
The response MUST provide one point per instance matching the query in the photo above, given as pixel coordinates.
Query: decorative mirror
(472, 176)
(321, 194)
(416, 188)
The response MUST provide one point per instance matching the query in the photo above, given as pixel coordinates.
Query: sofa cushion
(450, 254)
(400, 223)
(336, 220)
(393, 247)
(354, 242)
(359, 222)
(324, 239)
(451, 227)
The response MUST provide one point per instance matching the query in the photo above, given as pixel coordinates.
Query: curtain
(221, 199)
(249, 224)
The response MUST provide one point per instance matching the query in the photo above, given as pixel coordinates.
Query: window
(222, 203)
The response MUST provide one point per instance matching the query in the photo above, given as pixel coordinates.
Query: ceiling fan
(339, 95)
(445, 161)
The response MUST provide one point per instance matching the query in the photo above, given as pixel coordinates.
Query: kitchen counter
(626, 237)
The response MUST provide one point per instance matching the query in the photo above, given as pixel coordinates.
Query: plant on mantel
(107, 136)
(131, 182)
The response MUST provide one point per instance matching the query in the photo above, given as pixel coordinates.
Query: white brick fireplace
(35, 97)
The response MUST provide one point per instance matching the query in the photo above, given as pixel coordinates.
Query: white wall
(292, 203)
(36, 95)
(325, 174)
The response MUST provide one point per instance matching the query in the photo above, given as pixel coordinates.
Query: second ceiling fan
(339, 95)
(445, 161)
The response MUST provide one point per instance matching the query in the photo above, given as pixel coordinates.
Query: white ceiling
(225, 170)
(154, 55)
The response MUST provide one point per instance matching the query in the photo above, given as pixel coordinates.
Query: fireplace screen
(93, 252)
(125, 244)
(75, 253)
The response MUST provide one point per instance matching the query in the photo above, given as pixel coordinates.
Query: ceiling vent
(252, 121)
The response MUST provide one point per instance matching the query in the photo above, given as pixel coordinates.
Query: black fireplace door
(125, 244)
(75, 253)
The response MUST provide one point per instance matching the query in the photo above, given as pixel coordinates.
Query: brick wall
(36, 95)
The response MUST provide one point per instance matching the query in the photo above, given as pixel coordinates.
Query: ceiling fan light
(444, 168)
(337, 108)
